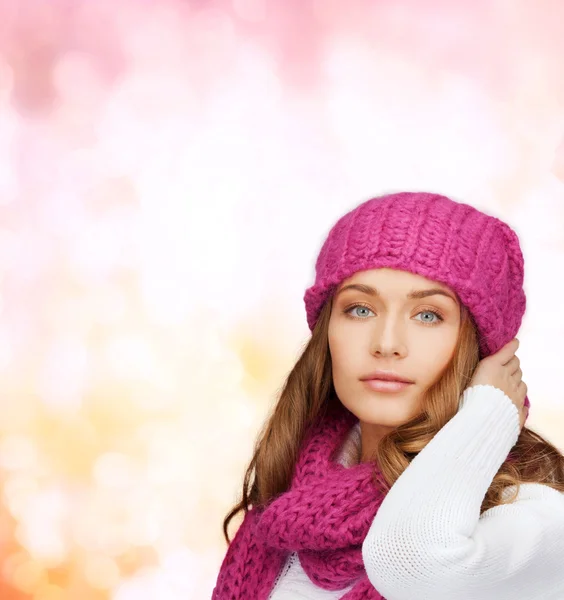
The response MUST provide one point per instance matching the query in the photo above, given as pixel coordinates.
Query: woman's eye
(432, 313)
(362, 308)
(359, 306)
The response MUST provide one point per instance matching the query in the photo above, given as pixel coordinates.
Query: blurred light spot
(62, 381)
(9, 124)
(168, 461)
(558, 162)
(101, 572)
(77, 80)
(180, 571)
(214, 31)
(131, 357)
(99, 249)
(50, 592)
(41, 529)
(6, 352)
(147, 515)
(105, 523)
(17, 452)
(167, 298)
(11, 563)
(115, 470)
(250, 10)
(6, 80)
(109, 306)
(139, 587)
(175, 580)
(28, 576)
(10, 246)
(18, 491)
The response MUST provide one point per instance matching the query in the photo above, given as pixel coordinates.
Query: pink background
(168, 171)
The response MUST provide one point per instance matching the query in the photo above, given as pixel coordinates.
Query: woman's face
(389, 330)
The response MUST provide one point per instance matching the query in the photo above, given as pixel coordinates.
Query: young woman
(396, 463)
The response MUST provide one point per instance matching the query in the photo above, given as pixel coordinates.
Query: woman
(430, 488)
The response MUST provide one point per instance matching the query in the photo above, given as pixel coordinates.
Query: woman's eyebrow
(414, 294)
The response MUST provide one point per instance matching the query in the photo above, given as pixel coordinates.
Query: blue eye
(431, 312)
(358, 306)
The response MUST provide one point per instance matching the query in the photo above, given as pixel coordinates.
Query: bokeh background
(168, 172)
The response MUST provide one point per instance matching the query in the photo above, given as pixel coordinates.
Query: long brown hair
(308, 392)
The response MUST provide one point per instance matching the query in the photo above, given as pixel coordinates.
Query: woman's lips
(379, 385)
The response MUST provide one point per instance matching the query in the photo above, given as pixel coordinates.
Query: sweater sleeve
(428, 540)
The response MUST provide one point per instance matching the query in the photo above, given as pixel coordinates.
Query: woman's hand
(502, 370)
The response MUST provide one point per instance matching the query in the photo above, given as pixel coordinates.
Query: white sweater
(428, 540)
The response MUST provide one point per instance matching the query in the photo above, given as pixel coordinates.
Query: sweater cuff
(499, 423)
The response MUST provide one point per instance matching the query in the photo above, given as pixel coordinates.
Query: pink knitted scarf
(324, 517)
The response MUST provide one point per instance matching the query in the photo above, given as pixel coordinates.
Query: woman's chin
(385, 413)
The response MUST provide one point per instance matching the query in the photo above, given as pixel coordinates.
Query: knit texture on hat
(475, 254)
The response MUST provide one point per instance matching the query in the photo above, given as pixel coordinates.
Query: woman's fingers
(513, 364)
(506, 353)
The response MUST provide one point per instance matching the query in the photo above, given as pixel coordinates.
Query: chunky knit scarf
(324, 517)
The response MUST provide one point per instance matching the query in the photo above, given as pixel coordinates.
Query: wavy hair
(308, 393)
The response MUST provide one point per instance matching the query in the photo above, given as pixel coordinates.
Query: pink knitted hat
(475, 254)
